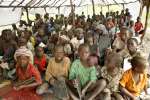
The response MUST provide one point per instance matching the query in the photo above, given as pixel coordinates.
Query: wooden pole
(93, 6)
(101, 9)
(72, 11)
(108, 8)
(146, 21)
(27, 12)
(58, 10)
(123, 6)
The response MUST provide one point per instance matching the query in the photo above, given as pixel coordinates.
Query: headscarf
(24, 51)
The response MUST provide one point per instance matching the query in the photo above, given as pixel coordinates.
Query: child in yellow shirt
(135, 79)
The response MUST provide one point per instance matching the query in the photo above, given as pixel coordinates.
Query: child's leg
(117, 96)
(97, 88)
(72, 95)
(72, 91)
(105, 95)
(42, 89)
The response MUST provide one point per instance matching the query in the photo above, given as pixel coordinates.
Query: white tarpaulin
(7, 16)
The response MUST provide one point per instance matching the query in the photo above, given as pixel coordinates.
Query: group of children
(86, 62)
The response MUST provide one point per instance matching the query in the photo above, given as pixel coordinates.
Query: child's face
(90, 41)
(84, 53)
(140, 69)
(59, 54)
(110, 64)
(41, 32)
(132, 46)
(23, 61)
(39, 52)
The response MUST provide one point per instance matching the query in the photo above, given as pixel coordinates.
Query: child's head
(113, 61)
(139, 64)
(84, 52)
(22, 41)
(93, 60)
(41, 32)
(132, 45)
(39, 51)
(89, 40)
(23, 61)
(59, 53)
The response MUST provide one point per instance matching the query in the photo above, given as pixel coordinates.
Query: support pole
(123, 5)
(101, 9)
(58, 10)
(108, 8)
(73, 14)
(93, 7)
(27, 12)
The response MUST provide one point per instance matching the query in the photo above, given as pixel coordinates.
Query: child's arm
(145, 90)
(126, 92)
(86, 87)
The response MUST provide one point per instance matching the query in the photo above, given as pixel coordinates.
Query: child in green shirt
(86, 75)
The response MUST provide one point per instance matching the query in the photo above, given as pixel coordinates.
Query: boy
(87, 75)
(57, 68)
(135, 79)
(40, 60)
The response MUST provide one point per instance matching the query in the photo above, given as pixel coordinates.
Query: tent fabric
(7, 16)
(56, 3)
(11, 10)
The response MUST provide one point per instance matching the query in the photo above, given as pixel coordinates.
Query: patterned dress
(113, 82)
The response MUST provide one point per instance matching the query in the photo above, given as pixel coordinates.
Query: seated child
(85, 76)
(57, 68)
(112, 73)
(28, 78)
(93, 46)
(40, 60)
(135, 79)
(132, 50)
(93, 60)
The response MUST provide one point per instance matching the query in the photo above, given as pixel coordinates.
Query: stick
(25, 82)
(78, 88)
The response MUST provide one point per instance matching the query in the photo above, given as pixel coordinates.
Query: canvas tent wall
(11, 10)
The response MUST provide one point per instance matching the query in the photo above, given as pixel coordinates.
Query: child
(138, 25)
(112, 73)
(25, 71)
(86, 76)
(93, 47)
(132, 48)
(58, 67)
(135, 79)
(40, 60)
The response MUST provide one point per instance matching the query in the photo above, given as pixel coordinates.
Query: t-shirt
(85, 74)
(128, 82)
(55, 69)
(138, 26)
(31, 71)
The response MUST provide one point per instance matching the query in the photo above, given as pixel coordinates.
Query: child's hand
(83, 93)
(76, 83)
(133, 98)
(52, 81)
(19, 87)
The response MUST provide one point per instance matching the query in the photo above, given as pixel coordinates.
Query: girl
(112, 73)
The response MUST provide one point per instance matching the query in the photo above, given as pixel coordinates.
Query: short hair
(84, 45)
(136, 60)
(37, 47)
(116, 57)
(59, 47)
(133, 39)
